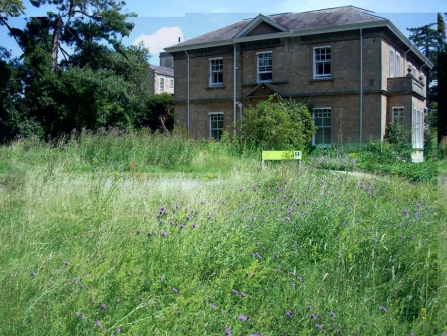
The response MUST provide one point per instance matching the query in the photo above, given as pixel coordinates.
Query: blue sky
(161, 23)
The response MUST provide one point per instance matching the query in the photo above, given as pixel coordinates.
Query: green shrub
(276, 123)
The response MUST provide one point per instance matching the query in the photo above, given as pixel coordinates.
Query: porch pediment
(261, 25)
(265, 89)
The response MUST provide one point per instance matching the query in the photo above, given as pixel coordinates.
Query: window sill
(269, 82)
(216, 87)
(330, 79)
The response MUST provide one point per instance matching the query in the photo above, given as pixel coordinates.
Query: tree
(277, 123)
(11, 8)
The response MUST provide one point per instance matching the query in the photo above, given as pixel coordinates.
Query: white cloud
(162, 38)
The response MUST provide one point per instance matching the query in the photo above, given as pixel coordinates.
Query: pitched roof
(331, 17)
(163, 70)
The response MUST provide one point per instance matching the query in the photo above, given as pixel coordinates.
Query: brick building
(357, 70)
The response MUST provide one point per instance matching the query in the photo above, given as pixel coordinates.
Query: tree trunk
(56, 43)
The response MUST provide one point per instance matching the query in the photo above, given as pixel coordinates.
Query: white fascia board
(260, 18)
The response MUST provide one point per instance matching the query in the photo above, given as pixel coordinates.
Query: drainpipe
(361, 84)
(405, 56)
(234, 88)
(187, 84)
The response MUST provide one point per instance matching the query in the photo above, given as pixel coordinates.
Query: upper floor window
(322, 118)
(265, 66)
(216, 71)
(395, 61)
(162, 84)
(398, 114)
(322, 62)
(171, 83)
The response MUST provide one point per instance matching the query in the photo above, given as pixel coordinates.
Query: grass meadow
(108, 234)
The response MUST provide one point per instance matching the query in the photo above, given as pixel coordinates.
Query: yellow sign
(281, 155)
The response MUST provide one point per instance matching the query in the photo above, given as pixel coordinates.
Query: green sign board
(281, 155)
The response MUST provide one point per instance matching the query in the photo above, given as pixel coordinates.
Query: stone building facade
(357, 71)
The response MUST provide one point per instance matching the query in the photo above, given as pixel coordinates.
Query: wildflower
(174, 289)
(412, 335)
(402, 237)
(213, 306)
(103, 306)
(300, 279)
(243, 294)
(138, 232)
(424, 310)
(242, 189)
(276, 255)
(79, 314)
(210, 217)
(98, 323)
(118, 331)
(33, 273)
(242, 318)
(182, 226)
(333, 314)
(293, 285)
(314, 317)
(383, 308)
(424, 318)
(194, 225)
(163, 210)
(288, 313)
(309, 308)
(405, 212)
(164, 233)
(375, 240)
(228, 331)
(319, 326)
(67, 262)
(258, 255)
(235, 291)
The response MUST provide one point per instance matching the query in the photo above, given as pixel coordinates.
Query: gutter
(234, 87)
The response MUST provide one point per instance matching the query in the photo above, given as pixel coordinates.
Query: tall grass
(91, 249)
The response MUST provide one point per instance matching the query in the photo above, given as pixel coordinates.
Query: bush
(276, 123)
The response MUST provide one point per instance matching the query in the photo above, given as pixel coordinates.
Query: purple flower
(333, 314)
(210, 217)
(402, 237)
(118, 331)
(314, 317)
(79, 314)
(242, 318)
(164, 233)
(293, 285)
(258, 255)
(383, 308)
(405, 212)
(194, 225)
(33, 273)
(243, 294)
(103, 306)
(98, 323)
(375, 240)
(174, 289)
(212, 305)
(319, 326)
(228, 331)
(235, 291)
(138, 232)
(67, 262)
(300, 279)
(309, 308)
(288, 313)
(163, 210)
(182, 226)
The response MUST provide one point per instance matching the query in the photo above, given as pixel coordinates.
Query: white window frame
(216, 68)
(162, 84)
(171, 82)
(398, 64)
(397, 113)
(265, 68)
(326, 113)
(316, 62)
(417, 133)
(392, 63)
(220, 118)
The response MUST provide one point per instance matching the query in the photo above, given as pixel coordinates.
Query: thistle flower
(314, 317)
(288, 313)
(212, 305)
(228, 331)
(174, 289)
(243, 294)
(383, 308)
(319, 326)
(164, 233)
(242, 318)
(138, 232)
(33, 273)
(98, 323)
(103, 306)
(235, 291)
(67, 262)
(333, 314)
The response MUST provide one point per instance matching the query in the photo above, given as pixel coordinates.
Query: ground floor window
(216, 125)
(418, 129)
(398, 114)
(322, 120)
